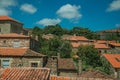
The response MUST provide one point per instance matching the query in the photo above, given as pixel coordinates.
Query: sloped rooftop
(19, 52)
(113, 59)
(66, 63)
(25, 74)
(7, 18)
(13, 35)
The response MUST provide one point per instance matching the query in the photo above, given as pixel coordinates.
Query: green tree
(53, 29)
(89, 56)
(80, 31)
(65, 49)
(57, 45)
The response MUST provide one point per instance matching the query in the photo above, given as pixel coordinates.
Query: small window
(4, 41)
(105, 51)
(100, 51)
(34, 64)
(16, 44)
(5, 63)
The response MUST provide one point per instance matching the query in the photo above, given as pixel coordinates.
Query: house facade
(114, 62)
(16, 49)
(20, 57)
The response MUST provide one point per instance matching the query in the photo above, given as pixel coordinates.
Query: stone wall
(10, 27)
(67, 73)
(16, 27)
(4, 28)
(22, 61)
(10, 42)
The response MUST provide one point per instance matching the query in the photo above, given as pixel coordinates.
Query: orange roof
(115, 44)
(18, 52)
(78, 38)
(75, 45)
(25, 74)
(103, 41)
(13, 51)
(101, 46)
(13, 35)
(100, 41)
(113, 59)
(7, 18)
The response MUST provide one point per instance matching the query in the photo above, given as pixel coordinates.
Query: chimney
(79, 66)
(107, 43)
(74, 35)
(58, 55)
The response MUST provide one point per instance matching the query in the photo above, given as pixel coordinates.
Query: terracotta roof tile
(78, 38)
(113, 59)
(13, 35)
(7, 18)
(18, 52)
(101, 46)
(25, 74)
(75, 45)
(66, 63)
(115, 44)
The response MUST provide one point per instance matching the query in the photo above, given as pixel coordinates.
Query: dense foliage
(92, 60)
(59, 31)
(88, 54)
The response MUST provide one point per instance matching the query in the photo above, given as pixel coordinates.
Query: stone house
(115, 47)
(18, 41)
(81, 40)
(9, 25)
(114, 62)
(16, 47)
(20, 57)
(102, 48)
(106, 33)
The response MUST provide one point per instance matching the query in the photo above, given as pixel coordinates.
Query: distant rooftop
(13, 35)
(7, 18)
(19, 52)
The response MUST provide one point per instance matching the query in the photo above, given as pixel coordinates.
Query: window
(33, 64)
(16, 44)
(4, 41)
(5, 63)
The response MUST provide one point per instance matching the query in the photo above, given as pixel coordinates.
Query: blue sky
(93, 14)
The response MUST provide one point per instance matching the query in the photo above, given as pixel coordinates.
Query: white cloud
(115, 5)
(69, 11)
(3, 11)
(5, 5)
(28, 8)
(47, 21)
(117, 25)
